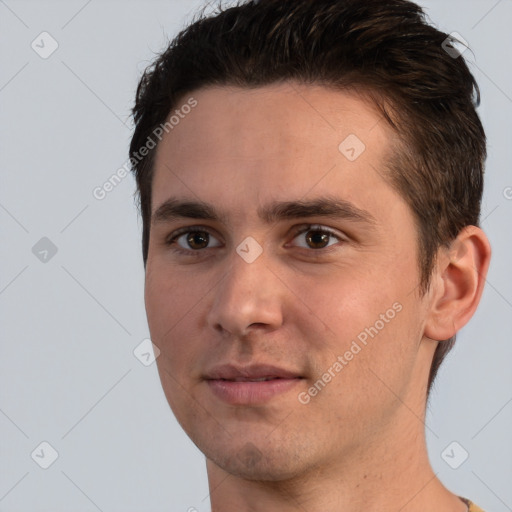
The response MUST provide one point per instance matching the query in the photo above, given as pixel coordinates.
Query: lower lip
(244, 392)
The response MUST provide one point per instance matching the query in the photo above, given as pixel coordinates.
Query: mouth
(248, 379)
(250, 385)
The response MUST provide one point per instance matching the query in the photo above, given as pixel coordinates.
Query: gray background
(70, 323)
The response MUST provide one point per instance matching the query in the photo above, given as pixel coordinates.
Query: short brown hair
(408, 68)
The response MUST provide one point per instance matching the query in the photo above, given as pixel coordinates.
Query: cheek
(347, 302)
(371, 322)
(170, 310)
(169, 295)
(173, 303)
(363, 372)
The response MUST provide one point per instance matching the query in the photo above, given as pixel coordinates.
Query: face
(282, 279)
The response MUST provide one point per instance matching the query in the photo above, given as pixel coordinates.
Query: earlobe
(459, 281)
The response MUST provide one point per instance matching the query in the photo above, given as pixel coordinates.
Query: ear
(457, 283)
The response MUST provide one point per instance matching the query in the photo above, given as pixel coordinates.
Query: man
(310, 178)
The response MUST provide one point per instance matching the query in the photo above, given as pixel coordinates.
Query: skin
(359, 444)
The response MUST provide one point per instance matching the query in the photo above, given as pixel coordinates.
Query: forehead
(287, 140)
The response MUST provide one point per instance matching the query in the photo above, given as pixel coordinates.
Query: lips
(250, 385)
(255, 372)
(252, 379)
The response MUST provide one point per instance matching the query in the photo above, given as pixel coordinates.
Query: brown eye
(317, 239)
(198, 239)
(190, 240)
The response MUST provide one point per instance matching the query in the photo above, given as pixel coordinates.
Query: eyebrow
(328, 207)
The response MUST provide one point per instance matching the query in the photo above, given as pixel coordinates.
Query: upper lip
(253, 371)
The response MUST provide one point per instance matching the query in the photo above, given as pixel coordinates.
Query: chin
(251, 462)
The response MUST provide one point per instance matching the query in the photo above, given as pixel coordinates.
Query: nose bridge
(247, 294)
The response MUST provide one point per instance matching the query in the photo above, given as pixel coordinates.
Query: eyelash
(201, 229)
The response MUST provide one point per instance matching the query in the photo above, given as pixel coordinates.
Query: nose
(249, 296)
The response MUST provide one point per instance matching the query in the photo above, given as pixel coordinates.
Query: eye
(317, 237)
(190, 240)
